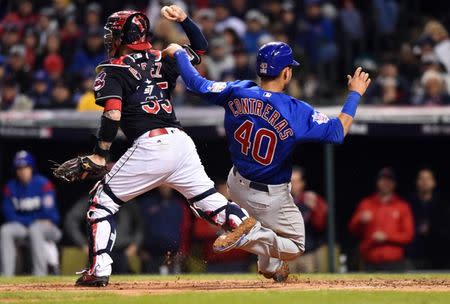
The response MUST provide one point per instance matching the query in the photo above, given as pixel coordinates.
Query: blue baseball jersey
(262, 127)
(27, 203)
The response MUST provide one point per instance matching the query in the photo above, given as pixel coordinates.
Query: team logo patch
(263, 68)
(217, 87)
(47, 201)
(99, 81)
(320, 118)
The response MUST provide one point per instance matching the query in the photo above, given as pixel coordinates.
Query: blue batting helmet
(23, 159)
(273, 57)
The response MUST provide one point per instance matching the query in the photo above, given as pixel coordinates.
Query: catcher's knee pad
(215, 208)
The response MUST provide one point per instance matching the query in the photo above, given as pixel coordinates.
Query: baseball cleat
(280, 275)
(234, 238)
(90, 280)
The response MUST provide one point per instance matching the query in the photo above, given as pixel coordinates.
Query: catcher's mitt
(77, 169)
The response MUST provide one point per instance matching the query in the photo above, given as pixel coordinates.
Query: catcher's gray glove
(79, 168)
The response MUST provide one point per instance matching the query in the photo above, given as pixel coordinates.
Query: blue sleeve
(48, 202)
(195, 36)
(212, 91)
(311, 125)
(9, 212)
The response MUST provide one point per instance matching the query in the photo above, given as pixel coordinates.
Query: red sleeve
(113, 104)
(405, 234)
(6, 191)
(355, 226)
(48, 187)
(319, 215)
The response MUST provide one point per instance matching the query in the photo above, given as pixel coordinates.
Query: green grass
(271, 296)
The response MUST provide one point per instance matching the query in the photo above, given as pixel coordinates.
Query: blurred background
(392, 173)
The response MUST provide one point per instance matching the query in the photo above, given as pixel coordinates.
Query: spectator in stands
(385, 225)
(45, 26)
(386, 14)
(129, 232)
(352, 28)
(10, 36)
(2, 68)
(70, 35)
(243, 68)
(30, 41)
(219, 59)
(225, 20)
(61, 96)
(86, 100)
(31, 217)
(40, 91)
(317, 35)
(256, 23)
(206, 18)
(54, 66)
(11, 99)
(314, 210)
(17, 67)
(92, 16)
(167, 228)
(434, 89)
(437, 32)
(232, 39)
(90, 54)
(389, 88)
(23, 15)
(63, 9)
(424, 202)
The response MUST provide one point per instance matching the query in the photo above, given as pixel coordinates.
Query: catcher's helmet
(273, 57)
(130, 28)
(23, 159)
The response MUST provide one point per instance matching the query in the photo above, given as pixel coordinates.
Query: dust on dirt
(294, 283)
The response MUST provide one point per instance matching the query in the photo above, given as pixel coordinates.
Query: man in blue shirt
(30, 214)
(263, 126)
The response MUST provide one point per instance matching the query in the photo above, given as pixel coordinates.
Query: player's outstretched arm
(357, 84)
(194, 82)
(175, 13)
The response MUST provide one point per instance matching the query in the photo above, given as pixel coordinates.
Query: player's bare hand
(359, 82)
(173, 13)
(366, 216)
(310, 199)
(171, 49)
(97, 159)
(379, 236)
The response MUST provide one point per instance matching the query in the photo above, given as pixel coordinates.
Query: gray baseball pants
(281, 236)
(41, 236)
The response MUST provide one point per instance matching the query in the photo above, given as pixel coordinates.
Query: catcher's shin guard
(215, 208)
(102, 235)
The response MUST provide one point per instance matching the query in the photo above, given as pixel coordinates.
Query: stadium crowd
(49, 49)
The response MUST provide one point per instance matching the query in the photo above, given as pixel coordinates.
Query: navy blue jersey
(262, 127)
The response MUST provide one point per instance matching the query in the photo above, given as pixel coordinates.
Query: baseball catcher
(134, 86)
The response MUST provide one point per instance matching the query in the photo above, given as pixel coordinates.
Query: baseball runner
(263, 126)
(134, 87)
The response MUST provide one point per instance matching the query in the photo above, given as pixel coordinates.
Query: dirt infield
(294, 283)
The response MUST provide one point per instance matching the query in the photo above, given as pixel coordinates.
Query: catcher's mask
(130, 28)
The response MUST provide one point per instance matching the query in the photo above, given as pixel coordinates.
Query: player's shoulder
(40, 180)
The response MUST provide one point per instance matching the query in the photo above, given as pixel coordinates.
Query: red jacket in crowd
(393, 219)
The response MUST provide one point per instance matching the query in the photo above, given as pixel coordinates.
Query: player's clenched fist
(173, 13)
(359, 82)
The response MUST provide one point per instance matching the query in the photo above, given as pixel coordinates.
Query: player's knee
(295, 254)
(36, 230)
(6, 230)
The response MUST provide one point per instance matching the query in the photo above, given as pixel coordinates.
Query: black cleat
(280, 275)
(90, 280)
